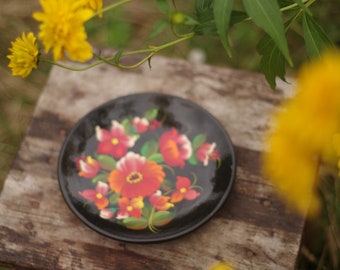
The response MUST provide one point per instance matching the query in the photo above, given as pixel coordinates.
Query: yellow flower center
(115, 141)
(183, 190)
(129, 208)
(99, 195)
(134, 177)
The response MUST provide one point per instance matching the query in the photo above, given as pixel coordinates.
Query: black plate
(146, 168)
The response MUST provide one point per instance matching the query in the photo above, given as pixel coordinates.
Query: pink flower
(160, 202)
(88, 167)
(175, 148)
(207, 152)
(140, 124)
(97, 195)
(135, 176)
(184, 190)
(114, 142)
(130, 207)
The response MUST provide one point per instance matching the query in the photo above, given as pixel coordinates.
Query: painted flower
(130, 207)
(107, 213)
(88, 167)
(175, 148)
(135, 176)
(160, 202)
(114, 142)
(154, 124)
(140, 125)
(207, 152)
(184, 190)
(62, 28)
(24, 55)
(97, 195)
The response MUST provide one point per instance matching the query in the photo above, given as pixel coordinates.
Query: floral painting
(137, 184)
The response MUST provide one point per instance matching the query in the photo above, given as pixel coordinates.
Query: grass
(129, 28)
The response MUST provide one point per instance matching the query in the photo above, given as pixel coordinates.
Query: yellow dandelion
(24, 55)
(221, 266)
(95, 5)
(304, 134)
(62, 28)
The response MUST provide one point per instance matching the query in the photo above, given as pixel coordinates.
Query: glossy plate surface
(146, 168)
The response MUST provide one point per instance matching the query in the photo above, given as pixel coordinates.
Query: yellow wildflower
(62, 28)
(304, 133)
(95, 5)
(221, 266)
(24, 55)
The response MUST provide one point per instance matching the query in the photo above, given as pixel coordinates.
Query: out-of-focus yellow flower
(221, 266)
(303, 133)
(24, 55)
(95, 5)
(62, 28)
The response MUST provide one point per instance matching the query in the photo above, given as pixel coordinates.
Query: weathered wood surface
(253, 230)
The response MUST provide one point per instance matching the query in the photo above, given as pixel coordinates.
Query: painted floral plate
(146, 168)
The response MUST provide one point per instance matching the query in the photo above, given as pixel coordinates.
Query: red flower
(97, 195)
(135, 176)
(207, 152)
(175, 148)
(130, 208)
(154, 124)
(114, 142)
(184, 190)
(160, 202)
(140, 124)
(107, 213)
(88, 166)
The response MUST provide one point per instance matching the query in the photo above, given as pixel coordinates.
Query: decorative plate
(146, 168)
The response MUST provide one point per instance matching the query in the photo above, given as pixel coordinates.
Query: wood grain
(253, 230)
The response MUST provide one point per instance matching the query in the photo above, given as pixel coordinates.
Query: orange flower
(97, 195)
(160, 202)
(135, 176)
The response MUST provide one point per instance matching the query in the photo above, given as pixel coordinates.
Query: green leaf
(135, 223)
(237, 16)
(193, 160)
(149, 148)
(157, 157)
(158, 28)
(267, 15)
(114, 198)
(222, 11)
(205, 18)
(126, 123)
(198, 140)
(100, 177)
(163, 6)
(272, 63)
(315, 37)
(151, 114)
(106, 162)
(161, 218)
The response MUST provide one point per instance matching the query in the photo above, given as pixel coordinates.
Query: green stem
(151, 51)
(109, 7)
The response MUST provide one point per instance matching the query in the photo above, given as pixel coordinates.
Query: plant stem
(109, 7)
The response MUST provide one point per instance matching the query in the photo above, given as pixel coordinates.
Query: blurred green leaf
(272, 63)
(158, 28)
(315, 37)
(222, 12)
(237, 17)
(106, 162)
(163, 6)
(151, 114)
(135, 223)
(149, 148)
(267, 15)
(157, 157)
(205, 18)
(161, 218)
(198, 140)
(100, 177)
